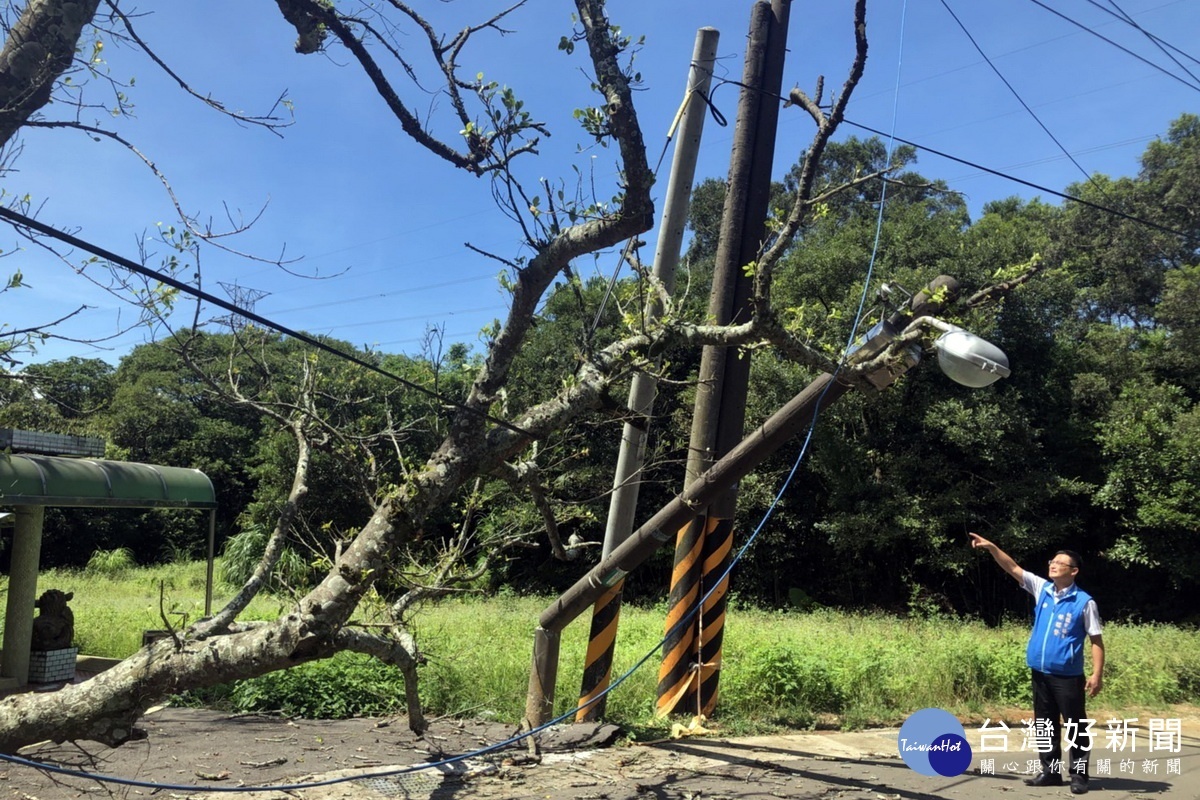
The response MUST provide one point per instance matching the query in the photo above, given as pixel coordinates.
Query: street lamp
(967, 359)
(963, 357)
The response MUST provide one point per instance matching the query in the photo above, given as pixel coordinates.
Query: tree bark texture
(39, 48)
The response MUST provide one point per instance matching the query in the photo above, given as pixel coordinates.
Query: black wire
(21, 220)
(1114, 44)
(1030, 184)
(714, 112)
(1005, 175)
(1159, 42)
(1014, 92)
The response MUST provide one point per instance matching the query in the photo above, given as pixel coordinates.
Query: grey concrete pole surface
(726, 270)
(694, 536)
(659, 530)
(631, 456)
(623, 504)
(702, 548)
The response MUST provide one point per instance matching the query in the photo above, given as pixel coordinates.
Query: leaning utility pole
(800, 412)
(627, 479)
(691, 660)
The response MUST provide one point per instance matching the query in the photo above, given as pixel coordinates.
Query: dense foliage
(1092, 444)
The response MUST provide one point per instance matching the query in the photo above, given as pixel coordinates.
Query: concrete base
(51, 666)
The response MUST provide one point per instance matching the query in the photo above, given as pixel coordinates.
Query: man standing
(1063, 615)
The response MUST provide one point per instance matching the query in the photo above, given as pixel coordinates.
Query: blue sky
(347, 193)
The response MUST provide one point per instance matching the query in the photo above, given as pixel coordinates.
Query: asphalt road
(820, 765)
(363, 759)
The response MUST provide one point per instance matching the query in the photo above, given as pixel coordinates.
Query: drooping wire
(20, 220)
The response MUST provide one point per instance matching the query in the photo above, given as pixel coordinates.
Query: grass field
(780, 669)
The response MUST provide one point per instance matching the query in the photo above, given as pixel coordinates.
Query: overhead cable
(1014, 92)
(1122, 48)
(1154, 40)
(23, 221)
(1031, 184)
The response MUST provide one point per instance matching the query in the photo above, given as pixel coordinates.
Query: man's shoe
(1046, 779)
(1079, 784)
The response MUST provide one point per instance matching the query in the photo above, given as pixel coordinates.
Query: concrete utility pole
(692, 651)
(799, 412)
(627, 479)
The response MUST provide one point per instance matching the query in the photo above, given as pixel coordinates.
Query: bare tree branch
(268, 121)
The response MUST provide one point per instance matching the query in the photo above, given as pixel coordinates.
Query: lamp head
(969, 360)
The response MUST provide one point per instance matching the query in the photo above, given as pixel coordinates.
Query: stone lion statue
(54, 626)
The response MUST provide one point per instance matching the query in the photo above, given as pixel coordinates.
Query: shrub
(786, 679)
(243, 551)
(112, 563)
(346, 685)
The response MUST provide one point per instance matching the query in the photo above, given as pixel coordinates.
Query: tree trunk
(40, 47)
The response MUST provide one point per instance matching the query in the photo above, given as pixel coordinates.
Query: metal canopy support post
(32, 481)
(22, 593)
(212, 546)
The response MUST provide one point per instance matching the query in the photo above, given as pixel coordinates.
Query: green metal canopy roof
(31, 480)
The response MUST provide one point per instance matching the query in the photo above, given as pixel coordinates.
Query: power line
(1014, 92)
(367, 242)
(1051, 159)
(1153, 39)
(1161, 44)
(412, 318)
(20, 220)
(381, 295)
(1114, 44)
(1030, 184)
(1006, 176)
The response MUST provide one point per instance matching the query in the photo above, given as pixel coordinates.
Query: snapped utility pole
(797, 414)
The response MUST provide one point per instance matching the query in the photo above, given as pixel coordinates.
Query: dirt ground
(199, 754)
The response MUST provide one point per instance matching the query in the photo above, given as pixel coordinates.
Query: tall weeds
(779, 669)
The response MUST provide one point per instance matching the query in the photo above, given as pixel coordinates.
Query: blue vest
(1056, 644)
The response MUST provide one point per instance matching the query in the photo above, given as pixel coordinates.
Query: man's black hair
(1076, 559)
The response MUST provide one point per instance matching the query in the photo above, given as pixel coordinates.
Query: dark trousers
(1056, 696)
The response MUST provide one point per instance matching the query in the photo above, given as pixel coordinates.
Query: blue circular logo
(932, 742)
